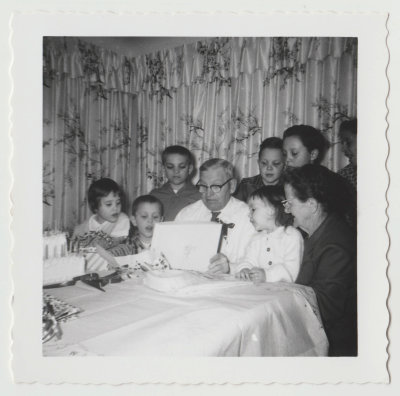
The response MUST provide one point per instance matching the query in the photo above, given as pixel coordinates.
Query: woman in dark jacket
(330, 258)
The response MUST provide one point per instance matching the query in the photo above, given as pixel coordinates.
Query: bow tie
(227, 225)
(216, 219)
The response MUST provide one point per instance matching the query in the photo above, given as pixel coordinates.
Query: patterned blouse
(349, 172)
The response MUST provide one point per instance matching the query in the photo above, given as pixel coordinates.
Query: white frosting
(62, 269)
(169, 281)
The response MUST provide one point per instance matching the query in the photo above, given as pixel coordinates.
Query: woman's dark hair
(270, 143)
(318, 182)
(274, 195)
(311, 138)
(348, 125)
(100, 189)
(146, 199)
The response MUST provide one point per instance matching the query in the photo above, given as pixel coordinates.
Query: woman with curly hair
(329, 262)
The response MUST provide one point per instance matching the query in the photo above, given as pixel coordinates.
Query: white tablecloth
(219, 318)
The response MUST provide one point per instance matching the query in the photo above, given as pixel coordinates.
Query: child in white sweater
(274, 254)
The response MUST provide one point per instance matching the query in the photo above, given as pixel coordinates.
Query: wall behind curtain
(107, 115)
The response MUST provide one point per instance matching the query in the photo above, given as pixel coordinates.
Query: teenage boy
(178, 191)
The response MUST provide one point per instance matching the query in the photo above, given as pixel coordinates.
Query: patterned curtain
(107, 115)
(87, 131)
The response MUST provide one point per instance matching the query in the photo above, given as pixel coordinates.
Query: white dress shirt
(236, 212)
(279, 253)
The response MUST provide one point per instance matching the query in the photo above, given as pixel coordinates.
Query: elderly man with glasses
(216, 185)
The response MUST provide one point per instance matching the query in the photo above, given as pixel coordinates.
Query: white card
(187, 245)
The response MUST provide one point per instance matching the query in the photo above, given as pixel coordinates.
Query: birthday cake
(170, 280)
(62, 269)
(58, 264)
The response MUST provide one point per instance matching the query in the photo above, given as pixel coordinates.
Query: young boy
(270, 164)
(147, 210)
(178, 191)
(348, 139)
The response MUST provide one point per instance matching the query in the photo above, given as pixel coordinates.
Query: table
(219, 318)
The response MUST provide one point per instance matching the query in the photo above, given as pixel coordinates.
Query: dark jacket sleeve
(332, 281)
(329, 267)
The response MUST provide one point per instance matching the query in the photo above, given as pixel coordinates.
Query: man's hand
(219, 264)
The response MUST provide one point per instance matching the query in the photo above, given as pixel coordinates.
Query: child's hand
(257, 275)
(243, 274)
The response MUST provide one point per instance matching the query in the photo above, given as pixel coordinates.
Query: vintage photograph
(199, 196)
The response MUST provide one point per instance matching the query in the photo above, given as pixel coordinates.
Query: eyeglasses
(215, 188)
(287, 203)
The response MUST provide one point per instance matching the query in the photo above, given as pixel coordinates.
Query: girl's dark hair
(311, 138)
(146, 199)
(274, 195)
(100, 189)
(315, 181)
(271, 143)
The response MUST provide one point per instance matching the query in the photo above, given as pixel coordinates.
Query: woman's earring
(314, 155)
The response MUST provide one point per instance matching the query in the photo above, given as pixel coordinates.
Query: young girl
(108, 226)
(274, 254)
(147, 210)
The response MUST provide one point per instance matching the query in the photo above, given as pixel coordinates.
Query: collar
(118, 229)
(274, 234)
(258, 181)
(186, 186)
(321, 228)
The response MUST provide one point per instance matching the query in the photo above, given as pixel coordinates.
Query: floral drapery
(108, 115)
